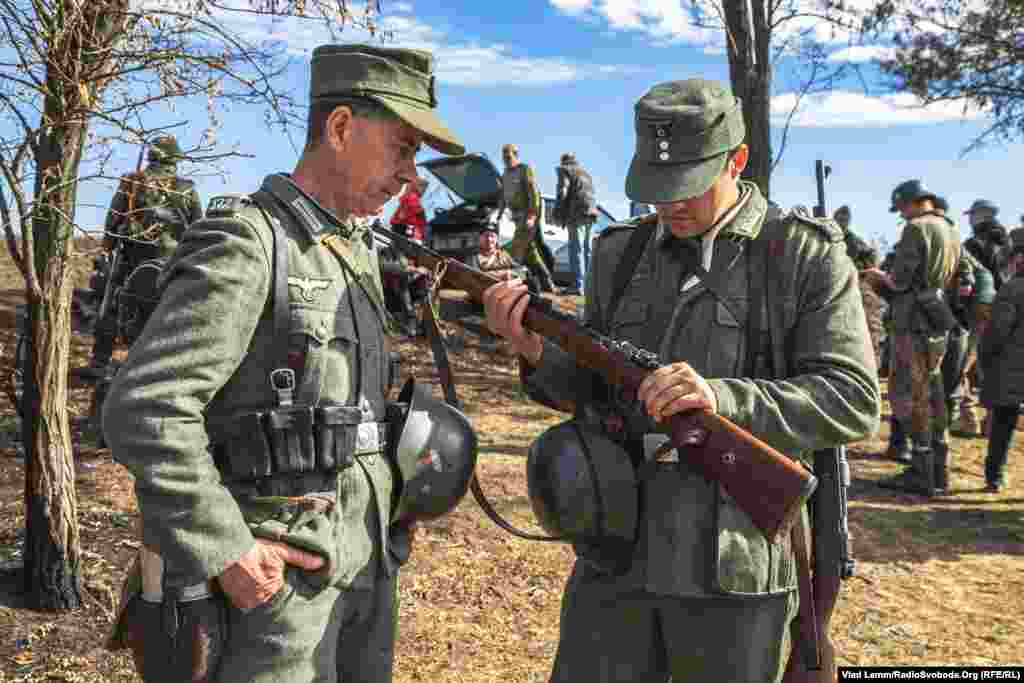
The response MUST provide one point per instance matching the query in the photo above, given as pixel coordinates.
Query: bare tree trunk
(52, 553)
(750, 72)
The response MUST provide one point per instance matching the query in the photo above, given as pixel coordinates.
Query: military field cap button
(700, 121)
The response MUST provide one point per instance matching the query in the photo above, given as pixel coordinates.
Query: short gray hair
(321, 109)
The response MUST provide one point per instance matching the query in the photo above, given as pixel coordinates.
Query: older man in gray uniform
(251, 410)
(755, 316)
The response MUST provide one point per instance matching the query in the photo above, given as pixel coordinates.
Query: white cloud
(571, 6)
(457, 62)
(861, 53)
(848, 109)
(668, 21)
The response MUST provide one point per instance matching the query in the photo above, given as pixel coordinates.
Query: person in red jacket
(410, 211)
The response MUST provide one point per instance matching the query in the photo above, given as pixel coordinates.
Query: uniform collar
(315, 219)
(741, 222)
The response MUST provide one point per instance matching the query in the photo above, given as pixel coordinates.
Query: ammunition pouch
(180, 638)
(935, 310)
(293, 440)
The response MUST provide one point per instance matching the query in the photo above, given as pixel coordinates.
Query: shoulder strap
(627, 266)
(279, 275)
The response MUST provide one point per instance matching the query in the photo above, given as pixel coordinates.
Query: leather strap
(444, 370)
(279, 291)
(627, 266)
(807, 621)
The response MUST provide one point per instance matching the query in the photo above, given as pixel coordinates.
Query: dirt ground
(938, 582)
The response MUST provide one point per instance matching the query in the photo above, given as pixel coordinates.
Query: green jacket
(206, 356)
(695, 541)
(926, 257)
(158, 186)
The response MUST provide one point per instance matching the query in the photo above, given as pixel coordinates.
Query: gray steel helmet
(909, 191)
(583, 486)
(434, 454)
(983, 205)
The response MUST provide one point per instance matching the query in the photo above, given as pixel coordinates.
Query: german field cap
(684, 130)
(400, 79)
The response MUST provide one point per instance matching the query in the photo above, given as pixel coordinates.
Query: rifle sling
(444, 371)
(806, 623)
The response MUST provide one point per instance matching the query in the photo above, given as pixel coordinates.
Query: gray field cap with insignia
(401, 80)
(683, 131)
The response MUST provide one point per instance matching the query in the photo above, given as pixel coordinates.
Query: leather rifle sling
(447, 377)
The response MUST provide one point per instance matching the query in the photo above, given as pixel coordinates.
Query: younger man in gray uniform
(273, 302)
(707, 597)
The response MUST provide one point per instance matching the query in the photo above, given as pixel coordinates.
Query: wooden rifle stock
(771, 488)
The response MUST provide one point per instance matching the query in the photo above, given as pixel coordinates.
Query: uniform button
(664, 144)
(664, 156)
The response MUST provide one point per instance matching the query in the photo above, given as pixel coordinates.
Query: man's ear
(338, 129)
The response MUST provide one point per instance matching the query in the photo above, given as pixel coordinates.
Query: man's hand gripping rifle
(771, 488)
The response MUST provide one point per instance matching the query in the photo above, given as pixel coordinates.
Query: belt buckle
(367, 437)
(657, 449)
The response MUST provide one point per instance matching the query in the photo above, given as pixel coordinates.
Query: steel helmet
(434, 454)
(908, 191)
(583, 486)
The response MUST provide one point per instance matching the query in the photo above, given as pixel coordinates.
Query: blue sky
(562, 75)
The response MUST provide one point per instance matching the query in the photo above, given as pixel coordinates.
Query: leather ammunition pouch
(935, 310)
(181, 637)
(293, 440)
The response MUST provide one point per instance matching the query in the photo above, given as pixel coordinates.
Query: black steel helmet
(583, 486)
(433, 452)
(909, 191)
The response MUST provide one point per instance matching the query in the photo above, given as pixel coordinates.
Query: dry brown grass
(937, 583)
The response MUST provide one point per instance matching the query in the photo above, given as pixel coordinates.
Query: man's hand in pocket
(259, 574)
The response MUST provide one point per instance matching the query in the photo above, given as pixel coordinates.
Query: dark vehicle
(474, 180)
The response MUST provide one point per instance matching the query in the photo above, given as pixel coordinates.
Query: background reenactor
(491, 258)
(1002, 357)
(1017, 234)
(990, 241)
(576, 209)
(701, 595)
(253, 410)
(153, 208)
(974, 310)
(924, 266)
(860, 251)
(522, 200)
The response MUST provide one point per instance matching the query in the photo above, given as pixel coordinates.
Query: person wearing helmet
(253, 409)
(990, 241)
(924, 268)
(155, 205)
(755, 314)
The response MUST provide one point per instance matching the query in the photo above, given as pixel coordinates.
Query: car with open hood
(474, 185)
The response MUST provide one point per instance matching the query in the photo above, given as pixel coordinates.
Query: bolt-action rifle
(771, 488)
